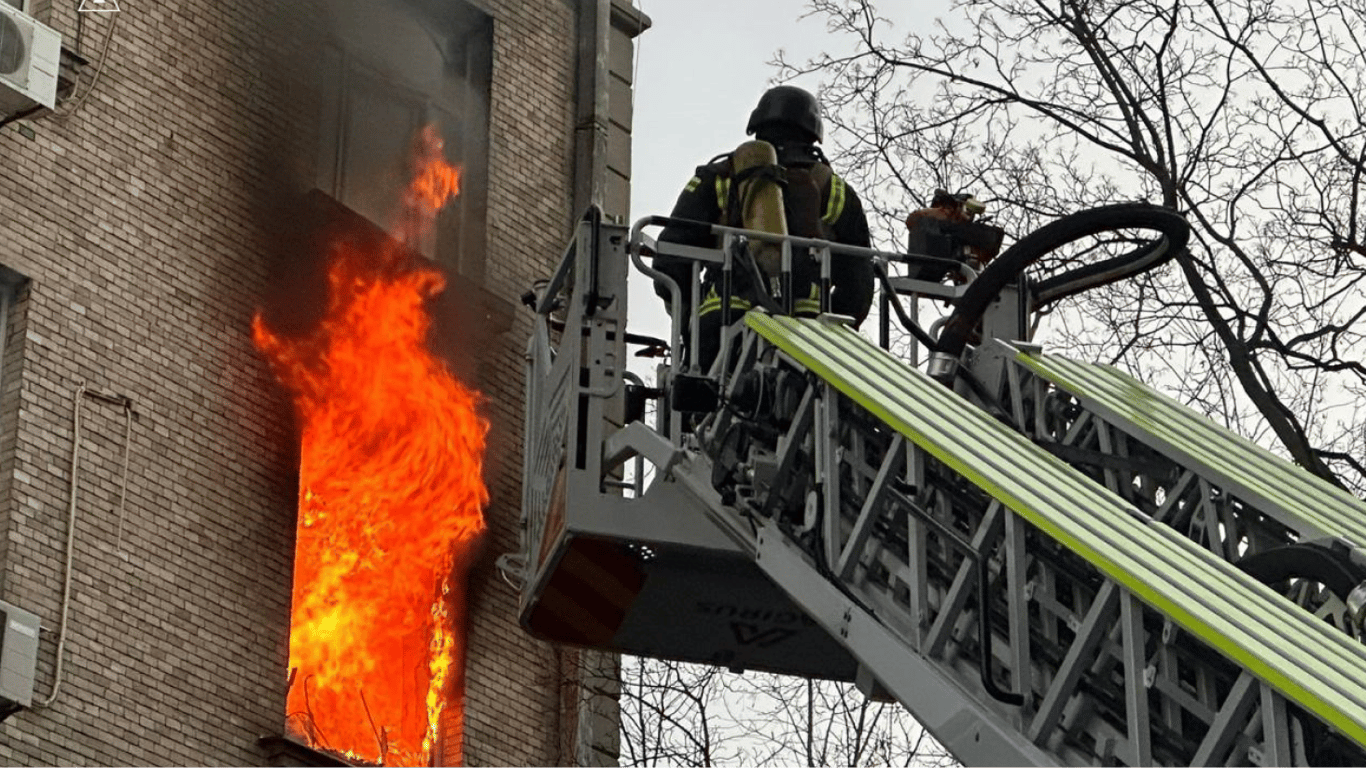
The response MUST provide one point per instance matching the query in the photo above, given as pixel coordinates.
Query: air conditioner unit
(18, 658)
(30, 58)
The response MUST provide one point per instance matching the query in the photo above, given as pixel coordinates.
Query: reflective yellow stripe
(712, 303)
(710, 306)
(835, 205)
(693, 184)
(811, 304)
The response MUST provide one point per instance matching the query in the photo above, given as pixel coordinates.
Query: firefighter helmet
(788, 106)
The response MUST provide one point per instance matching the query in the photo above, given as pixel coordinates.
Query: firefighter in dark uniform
(816, 203)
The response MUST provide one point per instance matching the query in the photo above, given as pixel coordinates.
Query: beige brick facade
(150, 221)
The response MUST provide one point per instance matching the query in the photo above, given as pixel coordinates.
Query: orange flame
(390, 498)
(436, 181)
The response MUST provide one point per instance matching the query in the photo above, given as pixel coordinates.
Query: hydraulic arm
(1045, 561)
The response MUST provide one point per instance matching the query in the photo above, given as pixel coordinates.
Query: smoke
(351, 82)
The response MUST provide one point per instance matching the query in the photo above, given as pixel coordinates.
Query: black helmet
(791, 107)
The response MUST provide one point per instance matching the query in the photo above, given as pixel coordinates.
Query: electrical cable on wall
(640, 32)
(99, 70)
(70, 542)
(123, 482)
(78, 399)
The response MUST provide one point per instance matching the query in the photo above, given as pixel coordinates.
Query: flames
(390, 498)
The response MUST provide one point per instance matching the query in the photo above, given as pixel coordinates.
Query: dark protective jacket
(707, 198)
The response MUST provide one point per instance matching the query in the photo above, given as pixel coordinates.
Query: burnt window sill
(282, 751)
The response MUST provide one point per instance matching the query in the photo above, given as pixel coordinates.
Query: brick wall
(513, 708)
(143, 221)
(131, 219)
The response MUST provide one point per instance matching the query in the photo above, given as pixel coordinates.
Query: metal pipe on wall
(593, 24)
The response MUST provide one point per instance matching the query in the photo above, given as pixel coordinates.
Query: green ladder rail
(1311, 506)
(1315, 667)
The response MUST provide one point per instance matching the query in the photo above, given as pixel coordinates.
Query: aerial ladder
(1044, 560)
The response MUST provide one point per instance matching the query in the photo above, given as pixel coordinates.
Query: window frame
(464, 39)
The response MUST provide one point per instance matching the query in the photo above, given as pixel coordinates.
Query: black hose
(979, 560)
(1008, 267)
(1333, 569)
(984, 639)
(906, 322)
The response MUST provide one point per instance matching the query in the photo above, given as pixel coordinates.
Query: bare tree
(1246, 115)
(686, 714)
(667, 712)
